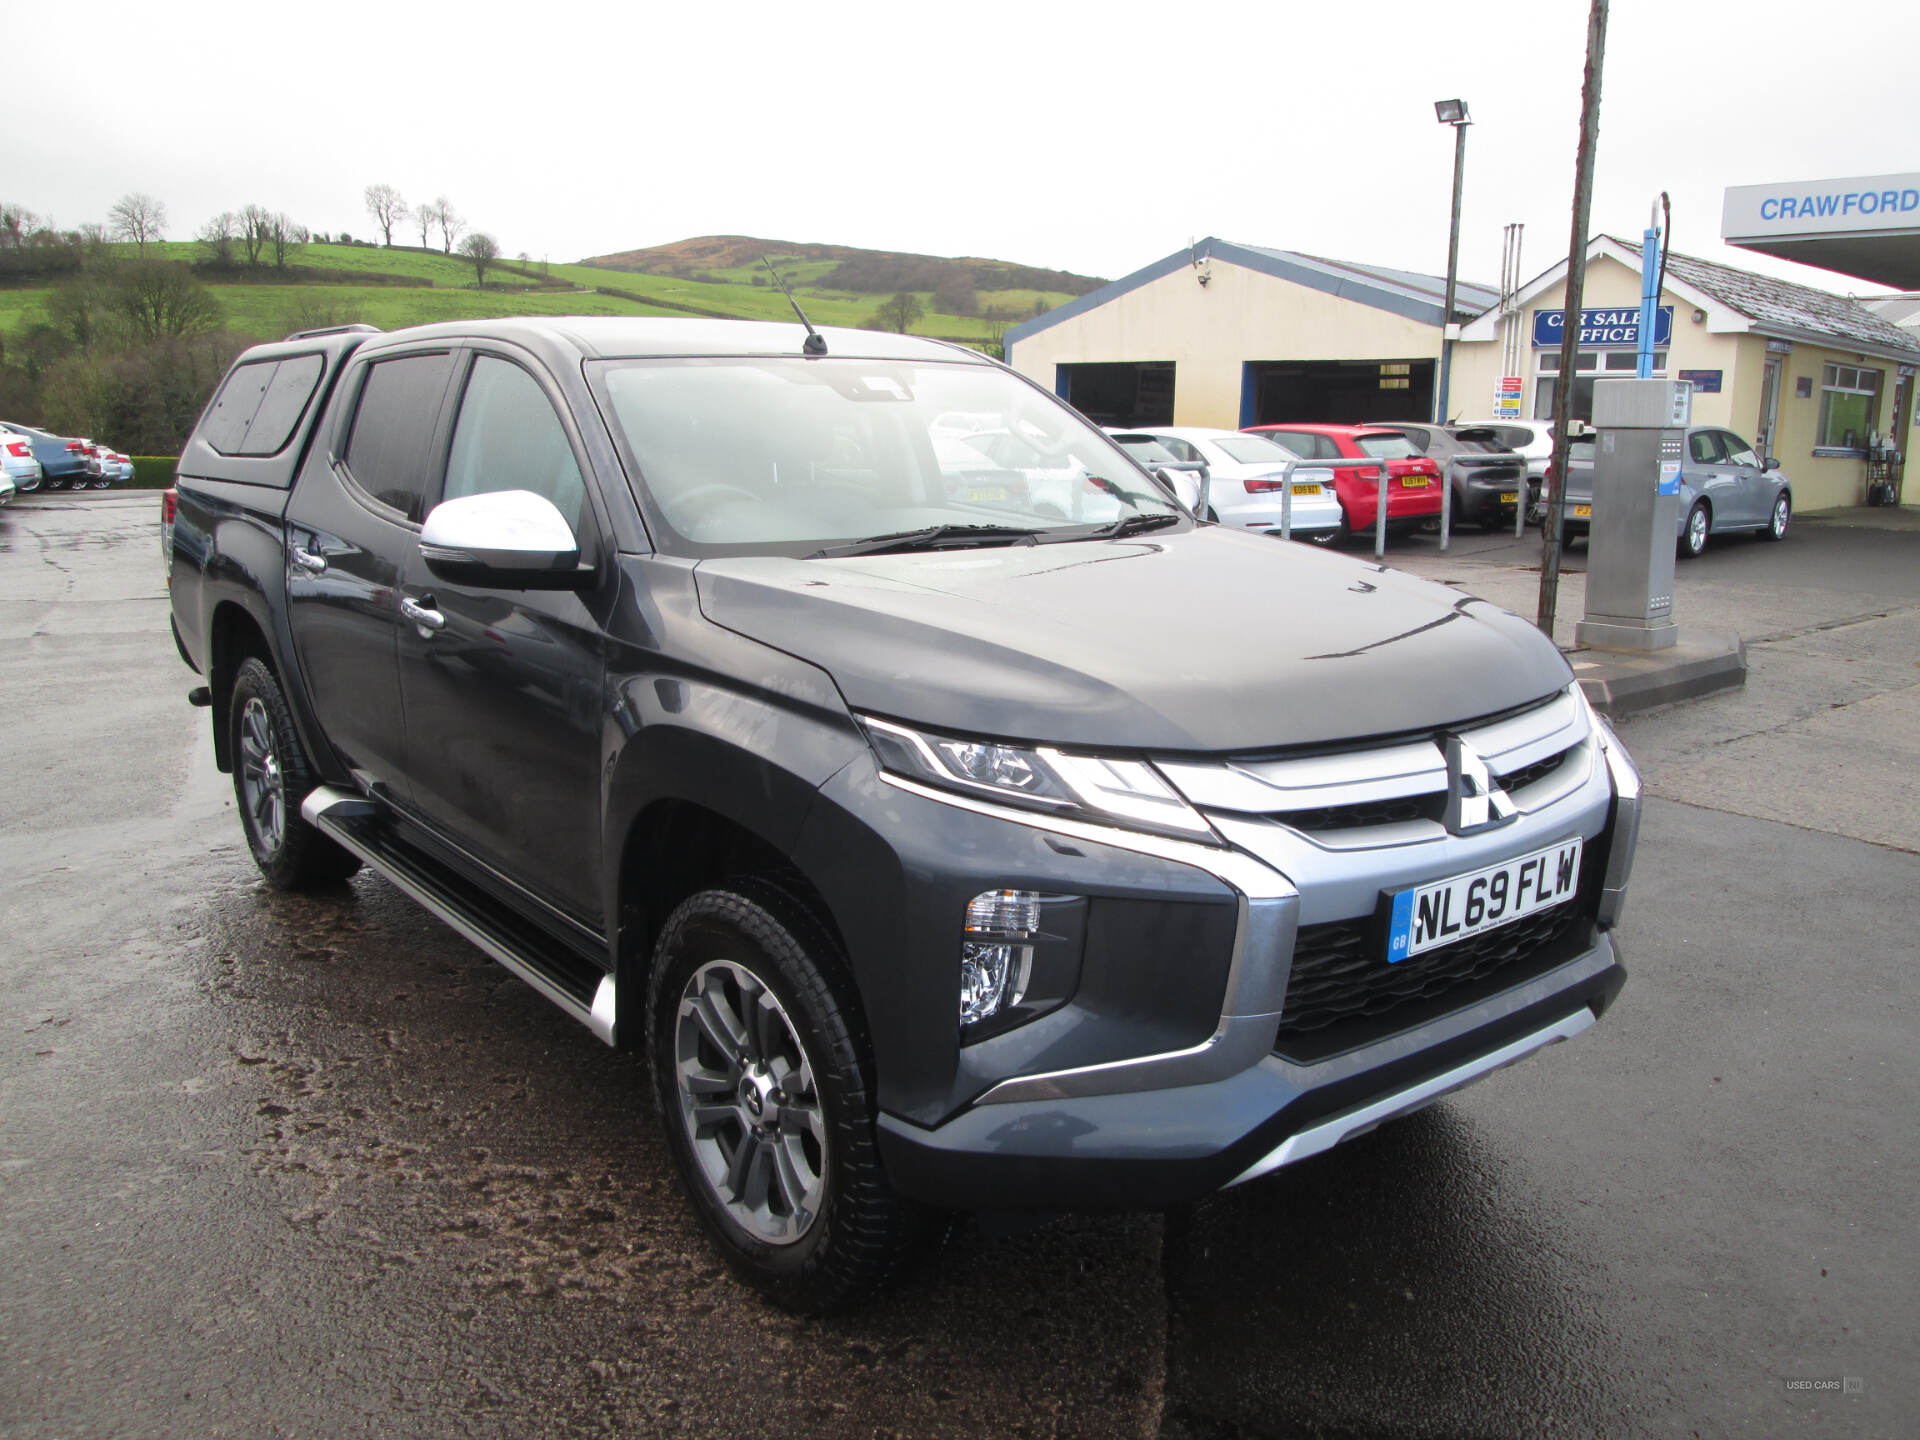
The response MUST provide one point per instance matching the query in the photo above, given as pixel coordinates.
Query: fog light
(985, 975)
(993, 964)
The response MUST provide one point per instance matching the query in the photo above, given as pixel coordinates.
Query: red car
(1413, 481)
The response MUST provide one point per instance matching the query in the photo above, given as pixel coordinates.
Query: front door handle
(308, 561)
(422, 615)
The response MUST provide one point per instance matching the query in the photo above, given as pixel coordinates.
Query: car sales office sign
(1602, 329)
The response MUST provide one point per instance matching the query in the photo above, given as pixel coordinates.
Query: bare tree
(256, 224)
(424, 217)
(387, 208)
(449, 221)
(16, 224)
(161, 300)
(217, 237)
(138, 218)
(285, 236)
(899, 312)
(481, 250)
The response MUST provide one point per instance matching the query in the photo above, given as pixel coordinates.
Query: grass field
(272, 309)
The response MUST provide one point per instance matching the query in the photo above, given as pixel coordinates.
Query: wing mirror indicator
(503, 540)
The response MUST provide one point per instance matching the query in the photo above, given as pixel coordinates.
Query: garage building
(1230, 335)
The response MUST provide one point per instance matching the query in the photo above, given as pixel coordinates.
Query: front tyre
(1779, 518)
(271, 777)
(761, 1076)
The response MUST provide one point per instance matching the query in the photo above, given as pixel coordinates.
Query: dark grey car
(949, 840)
(1725, 487)
(1487, 479)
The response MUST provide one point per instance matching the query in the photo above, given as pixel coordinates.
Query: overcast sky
(1088, 137)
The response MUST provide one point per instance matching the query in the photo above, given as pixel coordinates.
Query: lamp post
(1454, 113)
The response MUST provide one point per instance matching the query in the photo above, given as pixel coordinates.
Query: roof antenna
(816, 342)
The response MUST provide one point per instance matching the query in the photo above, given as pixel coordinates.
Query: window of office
(1593, 365)
(1849, 401)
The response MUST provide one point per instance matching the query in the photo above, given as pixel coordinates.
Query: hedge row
(151, 472)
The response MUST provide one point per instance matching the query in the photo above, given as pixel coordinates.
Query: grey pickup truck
(949, 838)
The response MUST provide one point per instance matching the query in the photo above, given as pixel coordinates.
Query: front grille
(1340, 969)
(1533, 774)
(1367, 812)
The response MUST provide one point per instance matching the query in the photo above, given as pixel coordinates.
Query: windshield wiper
(934, 537)
(1125, 525)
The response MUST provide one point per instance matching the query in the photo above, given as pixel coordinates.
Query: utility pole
(1454, 113)
(1570, 326)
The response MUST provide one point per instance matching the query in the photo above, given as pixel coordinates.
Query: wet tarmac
(312, 1166)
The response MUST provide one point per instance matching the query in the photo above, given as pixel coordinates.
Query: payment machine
(1641, 427)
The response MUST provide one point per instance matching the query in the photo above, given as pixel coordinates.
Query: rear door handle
(306, 560)
(423, 615)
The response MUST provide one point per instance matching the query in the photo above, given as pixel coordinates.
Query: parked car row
(34, 459)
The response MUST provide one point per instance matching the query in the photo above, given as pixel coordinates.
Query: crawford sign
(1602, 328)
(1821, 207)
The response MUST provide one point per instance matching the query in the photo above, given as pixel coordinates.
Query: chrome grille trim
(1278, 788)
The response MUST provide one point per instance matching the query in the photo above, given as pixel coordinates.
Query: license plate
(979, 494)
(1413, 482)
(1429, 916)
(1507, 497)
(1583, 512)
(1306, 490)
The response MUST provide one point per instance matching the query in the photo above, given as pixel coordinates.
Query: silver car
(1725, 487)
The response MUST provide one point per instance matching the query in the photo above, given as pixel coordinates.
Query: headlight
(1086, 787)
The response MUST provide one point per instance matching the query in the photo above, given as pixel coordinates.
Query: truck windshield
(782, 455)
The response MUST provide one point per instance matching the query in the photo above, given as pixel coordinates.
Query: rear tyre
(1693, 539)
(1779, 518)
(762, 1076)
(271, 777)
(53, 484)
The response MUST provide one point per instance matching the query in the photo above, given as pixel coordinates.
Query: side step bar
(355, 824)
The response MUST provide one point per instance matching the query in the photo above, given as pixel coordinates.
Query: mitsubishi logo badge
(1475, 800)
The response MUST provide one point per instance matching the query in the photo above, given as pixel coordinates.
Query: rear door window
(389, 453)
(1703, 447)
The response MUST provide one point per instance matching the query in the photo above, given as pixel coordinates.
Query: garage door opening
(1131, 394)
(1339, 392)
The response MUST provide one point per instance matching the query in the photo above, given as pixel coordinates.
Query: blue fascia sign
(1601, 329)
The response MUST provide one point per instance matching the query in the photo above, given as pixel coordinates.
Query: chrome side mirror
(503, 540)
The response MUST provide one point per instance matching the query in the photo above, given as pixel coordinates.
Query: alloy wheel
(262, 787)
(1697, 530)
(749, 1102)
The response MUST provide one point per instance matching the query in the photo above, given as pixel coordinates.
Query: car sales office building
(1808, 376)
(1230, 335)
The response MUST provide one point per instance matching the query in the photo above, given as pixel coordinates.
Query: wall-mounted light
(1699, 317)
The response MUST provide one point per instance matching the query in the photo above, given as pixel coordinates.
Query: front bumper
(1155, 1127)
(1152, 1149)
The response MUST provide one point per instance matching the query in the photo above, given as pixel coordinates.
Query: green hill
(719, 276)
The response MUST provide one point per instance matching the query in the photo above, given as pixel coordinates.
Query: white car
(1246, 476)
(17, 464)
(115, 468)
